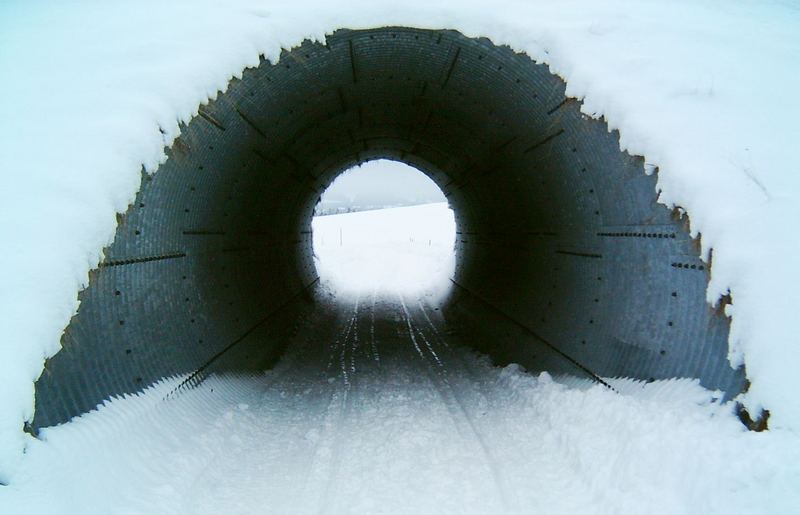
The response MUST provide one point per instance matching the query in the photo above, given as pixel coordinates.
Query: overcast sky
(383, 180)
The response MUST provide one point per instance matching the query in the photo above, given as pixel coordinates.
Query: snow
(376, 409)
(406, 249)
(704, 89)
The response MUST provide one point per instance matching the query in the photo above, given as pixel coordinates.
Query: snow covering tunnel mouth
(565, 260)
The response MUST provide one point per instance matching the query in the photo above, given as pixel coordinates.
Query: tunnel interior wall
(560, 237)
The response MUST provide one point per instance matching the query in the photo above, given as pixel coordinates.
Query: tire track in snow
(331, 442)
(437, 371)
(373, 346)
(330, 414)
(268, 411)
(555, 459)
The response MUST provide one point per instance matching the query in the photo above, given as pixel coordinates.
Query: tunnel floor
(376, 407)
(372, 403)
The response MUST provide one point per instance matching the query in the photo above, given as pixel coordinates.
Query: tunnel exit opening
(384, 226)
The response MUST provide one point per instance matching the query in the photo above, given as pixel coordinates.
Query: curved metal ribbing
(560, 238)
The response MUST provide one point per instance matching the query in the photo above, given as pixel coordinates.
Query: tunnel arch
(565, 260)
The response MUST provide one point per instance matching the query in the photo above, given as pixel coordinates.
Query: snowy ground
(377, 408)
(704, 89)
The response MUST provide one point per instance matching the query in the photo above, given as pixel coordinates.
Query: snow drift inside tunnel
(564, 259)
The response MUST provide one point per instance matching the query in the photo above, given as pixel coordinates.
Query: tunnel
(565, 260)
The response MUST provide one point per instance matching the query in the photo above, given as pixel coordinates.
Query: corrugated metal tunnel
(565, 261)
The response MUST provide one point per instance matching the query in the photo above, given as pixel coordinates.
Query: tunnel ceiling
(565, 261)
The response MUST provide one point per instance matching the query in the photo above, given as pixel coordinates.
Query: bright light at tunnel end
(406, 249)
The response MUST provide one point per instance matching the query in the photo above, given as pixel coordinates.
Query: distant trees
(338, 210)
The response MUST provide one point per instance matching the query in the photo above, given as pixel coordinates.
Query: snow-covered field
(408, 249)
(377, 408)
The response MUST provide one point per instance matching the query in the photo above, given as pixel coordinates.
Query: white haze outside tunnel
(378, 184)
(377, 407)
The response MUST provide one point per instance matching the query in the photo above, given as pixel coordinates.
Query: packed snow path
(376, 408)
(334, 427)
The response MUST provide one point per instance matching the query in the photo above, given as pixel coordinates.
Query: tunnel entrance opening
(386, 227)
(565, 261)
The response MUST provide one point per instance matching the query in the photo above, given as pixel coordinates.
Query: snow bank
(93, 91)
